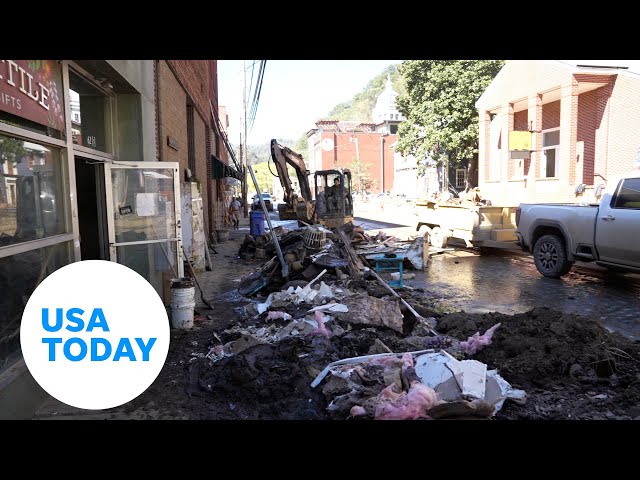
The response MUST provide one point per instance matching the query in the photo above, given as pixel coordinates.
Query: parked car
(605, 233)
(268, 202)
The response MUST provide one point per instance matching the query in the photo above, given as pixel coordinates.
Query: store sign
(173, 143)
(32, 89)
(520, 140)
(126, 210)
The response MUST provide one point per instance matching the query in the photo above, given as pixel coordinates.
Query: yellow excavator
(330, 204)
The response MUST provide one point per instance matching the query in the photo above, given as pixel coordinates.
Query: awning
(220, 170)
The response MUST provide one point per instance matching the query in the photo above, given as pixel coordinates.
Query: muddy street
(509, 283)
(255, 356)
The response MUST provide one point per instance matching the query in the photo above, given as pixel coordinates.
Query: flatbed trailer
(484, 226)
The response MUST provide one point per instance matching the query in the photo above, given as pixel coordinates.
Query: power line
(252, 69)
(258, 91)
(256, 95)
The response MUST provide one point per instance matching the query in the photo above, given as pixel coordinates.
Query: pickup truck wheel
(550, 256)
(437, 238)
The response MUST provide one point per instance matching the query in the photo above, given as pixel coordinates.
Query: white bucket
(182, 303)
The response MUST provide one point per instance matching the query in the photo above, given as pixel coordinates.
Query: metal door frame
(108, 166)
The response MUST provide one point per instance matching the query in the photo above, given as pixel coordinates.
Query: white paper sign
(146, 204)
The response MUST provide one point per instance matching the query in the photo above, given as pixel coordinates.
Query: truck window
(628, 194)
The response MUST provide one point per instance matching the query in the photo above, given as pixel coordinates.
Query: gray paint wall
(139, 73)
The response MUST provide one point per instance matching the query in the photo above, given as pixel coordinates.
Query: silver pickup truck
(607, 233)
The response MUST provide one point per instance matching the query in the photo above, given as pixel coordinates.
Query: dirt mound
(273, 380)
(570, 366)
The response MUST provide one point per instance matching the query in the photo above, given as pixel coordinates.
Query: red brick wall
(551, 115)
(173, 119)
(344, 152)
(196, 80)
(195, 76)
(521, 120)
(589, 119)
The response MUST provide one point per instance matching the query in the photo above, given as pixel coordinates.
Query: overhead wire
(257, 92)
(252, 69)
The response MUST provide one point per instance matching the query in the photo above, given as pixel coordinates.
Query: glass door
(143, 213)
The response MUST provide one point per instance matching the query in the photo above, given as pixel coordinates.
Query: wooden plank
(355, 265)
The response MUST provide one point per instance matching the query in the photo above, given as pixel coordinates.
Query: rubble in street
(332, 342)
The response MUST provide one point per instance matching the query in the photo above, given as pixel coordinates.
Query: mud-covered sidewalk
(569, 366)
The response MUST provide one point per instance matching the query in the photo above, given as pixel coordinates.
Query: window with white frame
(460, 177)
(550, 164)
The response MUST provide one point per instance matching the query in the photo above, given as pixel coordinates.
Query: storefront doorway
(92, 213)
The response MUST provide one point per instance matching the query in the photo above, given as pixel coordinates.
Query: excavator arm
(295, 207)
(282, 156)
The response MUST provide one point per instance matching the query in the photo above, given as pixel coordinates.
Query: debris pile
(337, 342)
(435, 385)
(344, 253)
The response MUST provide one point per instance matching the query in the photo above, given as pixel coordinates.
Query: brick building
(187, 133)
(96, 170)
(336, 144)
(582, 123)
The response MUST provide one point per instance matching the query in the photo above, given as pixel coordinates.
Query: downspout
(158, 114)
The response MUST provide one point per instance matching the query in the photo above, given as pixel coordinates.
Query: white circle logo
(95, 334)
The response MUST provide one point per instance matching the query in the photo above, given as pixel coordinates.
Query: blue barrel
(256, 222)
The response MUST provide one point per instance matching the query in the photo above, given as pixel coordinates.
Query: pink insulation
(276, 315)
(405, 406)
(357, 411)
(477, 342)
(407, 360)
(322, 329)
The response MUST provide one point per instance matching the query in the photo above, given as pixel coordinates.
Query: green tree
(11, 151)
(264, 178)
(360, 107)
(439, 107)
(301, 146)
(360, 173)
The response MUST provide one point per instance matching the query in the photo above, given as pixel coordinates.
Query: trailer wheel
(550, 256)
(437, 238)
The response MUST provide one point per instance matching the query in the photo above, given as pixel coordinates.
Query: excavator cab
(334, 203)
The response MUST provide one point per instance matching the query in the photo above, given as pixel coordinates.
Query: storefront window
(31, 191)
(19, 276)
(90, 115)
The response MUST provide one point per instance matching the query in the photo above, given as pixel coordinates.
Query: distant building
(337, 144)
(386, 110)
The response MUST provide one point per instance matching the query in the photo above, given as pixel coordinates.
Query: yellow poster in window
(519, 140)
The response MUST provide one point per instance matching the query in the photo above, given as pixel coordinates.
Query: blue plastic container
(256, 222)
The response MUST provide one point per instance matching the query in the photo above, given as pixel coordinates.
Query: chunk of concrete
(378, 347)
(367, 310)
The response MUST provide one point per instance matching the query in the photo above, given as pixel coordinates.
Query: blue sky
(295, 93)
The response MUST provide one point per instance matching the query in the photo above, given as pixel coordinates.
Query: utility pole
(244, 139)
